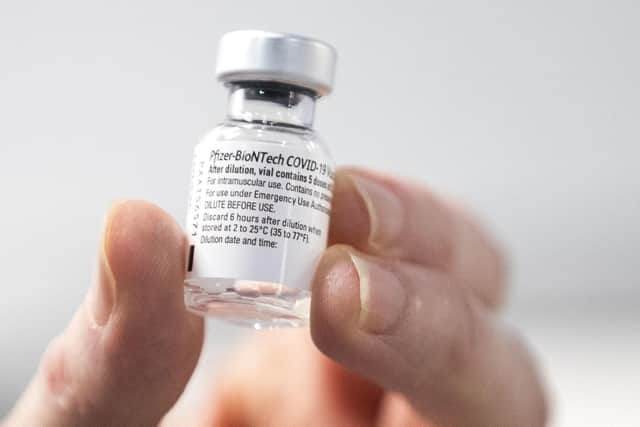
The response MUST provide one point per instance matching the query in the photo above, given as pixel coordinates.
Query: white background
(526, 110)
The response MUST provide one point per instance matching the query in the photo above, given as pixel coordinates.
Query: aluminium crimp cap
(248, 55)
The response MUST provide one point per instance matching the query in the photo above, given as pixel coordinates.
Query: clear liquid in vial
(259, 305)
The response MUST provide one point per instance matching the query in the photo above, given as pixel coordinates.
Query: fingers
(131, 347)
(398, 219)
(280, 379)
(409, 329)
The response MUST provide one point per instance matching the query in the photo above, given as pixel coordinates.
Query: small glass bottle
(261, 184)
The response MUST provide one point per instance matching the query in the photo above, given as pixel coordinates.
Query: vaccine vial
(262, 184)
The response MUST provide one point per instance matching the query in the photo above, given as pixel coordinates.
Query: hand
(403, 309)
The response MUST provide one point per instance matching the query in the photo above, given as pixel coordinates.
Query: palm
(280, 379)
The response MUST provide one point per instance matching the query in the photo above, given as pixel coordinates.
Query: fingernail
(386, 213)
(382, 297)
(101, 297)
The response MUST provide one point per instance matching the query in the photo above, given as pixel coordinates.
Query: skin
(404, 329)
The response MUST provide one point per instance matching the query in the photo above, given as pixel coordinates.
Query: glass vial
(261, 188)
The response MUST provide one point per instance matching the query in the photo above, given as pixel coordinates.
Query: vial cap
(247, 55)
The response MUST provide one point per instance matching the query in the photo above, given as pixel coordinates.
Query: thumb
(131, 347)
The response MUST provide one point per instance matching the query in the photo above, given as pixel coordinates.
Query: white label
(258, 211)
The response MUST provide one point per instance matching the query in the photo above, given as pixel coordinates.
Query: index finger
(396, 218)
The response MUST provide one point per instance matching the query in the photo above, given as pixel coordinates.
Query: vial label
(258, 211)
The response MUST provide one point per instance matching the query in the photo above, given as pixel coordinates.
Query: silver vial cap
(247, 55)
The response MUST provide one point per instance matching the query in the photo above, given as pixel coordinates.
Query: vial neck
(271, 104)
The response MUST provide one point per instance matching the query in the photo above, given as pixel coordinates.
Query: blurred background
(528, 111)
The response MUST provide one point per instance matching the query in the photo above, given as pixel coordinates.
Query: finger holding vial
(406, 296)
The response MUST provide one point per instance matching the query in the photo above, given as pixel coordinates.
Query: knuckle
(450, 334)
(460, 347)
(55, 371)
(480, 263)
(61, 385)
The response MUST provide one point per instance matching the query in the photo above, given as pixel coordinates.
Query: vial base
(259, 305)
